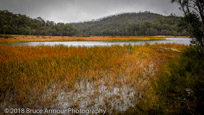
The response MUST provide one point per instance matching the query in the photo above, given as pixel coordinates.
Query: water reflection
(185, 41)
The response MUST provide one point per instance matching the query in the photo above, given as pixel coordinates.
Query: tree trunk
(201, 12)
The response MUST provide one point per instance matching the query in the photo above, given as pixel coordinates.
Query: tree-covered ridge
(21, 24)
(127, 24)
(132, 24)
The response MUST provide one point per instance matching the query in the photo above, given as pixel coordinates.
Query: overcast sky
(83, 10)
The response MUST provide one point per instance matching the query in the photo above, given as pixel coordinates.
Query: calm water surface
(185, 41)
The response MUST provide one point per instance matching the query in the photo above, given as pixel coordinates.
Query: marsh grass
(28, 38)
(35, 77)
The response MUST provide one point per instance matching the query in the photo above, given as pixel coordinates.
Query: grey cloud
(83, 10)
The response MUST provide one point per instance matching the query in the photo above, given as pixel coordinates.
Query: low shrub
(180, 89)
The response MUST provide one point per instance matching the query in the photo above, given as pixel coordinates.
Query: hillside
(127, 24)
(130, 24)
(23, 25)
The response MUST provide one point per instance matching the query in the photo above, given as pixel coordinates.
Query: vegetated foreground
(29, 38)
(112, 78)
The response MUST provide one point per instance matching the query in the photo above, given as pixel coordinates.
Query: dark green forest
(132, 24)
(21, 24)
(126, 24)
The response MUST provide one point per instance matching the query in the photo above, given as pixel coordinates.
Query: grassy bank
(111, 78)
(29, 38)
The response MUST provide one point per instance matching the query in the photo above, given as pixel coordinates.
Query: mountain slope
(127, 24)
(143, 23)
(11, 23)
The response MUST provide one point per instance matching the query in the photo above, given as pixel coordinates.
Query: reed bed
(29, 38)
(111, 78)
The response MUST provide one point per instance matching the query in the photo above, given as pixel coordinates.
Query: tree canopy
(127, 24)
(194, 19)
(132, 24)
(20, 24)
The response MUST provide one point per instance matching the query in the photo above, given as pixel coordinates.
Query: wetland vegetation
(125, 79)
(112, 78)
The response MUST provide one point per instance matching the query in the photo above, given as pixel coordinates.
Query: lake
(185, 41)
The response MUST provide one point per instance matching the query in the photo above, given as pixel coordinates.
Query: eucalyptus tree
(194, 20)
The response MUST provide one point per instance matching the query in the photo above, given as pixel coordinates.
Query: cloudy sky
(83, 10)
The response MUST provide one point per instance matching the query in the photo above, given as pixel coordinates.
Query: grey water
(185, 41)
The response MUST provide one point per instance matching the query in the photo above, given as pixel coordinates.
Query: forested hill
(131, 24)
(127, 24)
(21, 24)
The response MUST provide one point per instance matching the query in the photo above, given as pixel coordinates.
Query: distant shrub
(5, 36)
